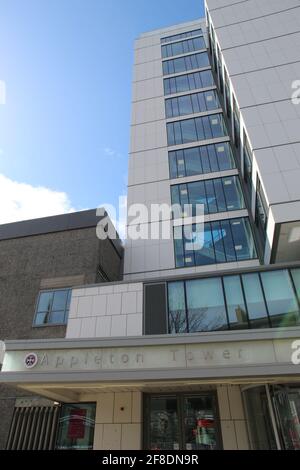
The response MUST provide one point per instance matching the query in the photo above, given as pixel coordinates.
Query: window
(205, 305)
(76, 426)
(280, 298)
(221, 242)
(183, 47)
(189, 104)
(227, 95)
(220, 71)
(182, 64)
(254, 300)
(296, 280)
(236, 308)
(53, 307)
(188, 34)
(217, 195)
(191, 81)
(196, 129)
(177, 308)
(261, 209)
(198, 160)
(247, 166)
(236, 123)
(257, 310)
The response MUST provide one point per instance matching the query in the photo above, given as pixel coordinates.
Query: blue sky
(65, 124)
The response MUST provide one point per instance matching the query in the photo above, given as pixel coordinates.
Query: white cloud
(111, 153)
(21, 201)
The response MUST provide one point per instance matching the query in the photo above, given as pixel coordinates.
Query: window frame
(66, 311)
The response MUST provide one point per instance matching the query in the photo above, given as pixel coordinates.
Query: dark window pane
(173, 164)
(233, 193)
(207, 78)
(180, 163)
(179, 65)
(236, 308)
(197, 195)
(217, 125)
(296, 278)
(219, 192)
(177, 133)
(280, 298)
(200, 128)
(207, 126)
(41, 318)
(225, 157)
(211, 197)
(173, 86)
(213, 162)
(192, 161)
(169, 110)
(205, 303)
(185, 105)
(182, 83)
(206, 254)
(228, 242)
(205, 159)
(45, 302)
(178, 246)
(177, 48)
(166, 67)
(170, 133)
(60, 299)
(243, 240)
(218, 235)
(188, 131)
(255, 301)
(177, 309)
(191, 81)
(57, 317)
(167, 89)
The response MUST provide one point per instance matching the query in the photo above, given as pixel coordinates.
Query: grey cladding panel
(155, 309)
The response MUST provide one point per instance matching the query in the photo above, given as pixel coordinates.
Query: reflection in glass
(280, 298)
(205, 304)
(76, 426)
(164, 426)
(177, 309)
(255, 301)
(199, 423)
(235, 302)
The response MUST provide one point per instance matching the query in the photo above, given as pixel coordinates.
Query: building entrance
(181, 422)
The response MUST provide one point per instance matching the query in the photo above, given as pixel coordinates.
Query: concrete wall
(118, 420)
(29, 264)
(232, 418)
(106, 311)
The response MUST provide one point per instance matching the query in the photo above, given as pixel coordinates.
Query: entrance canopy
(63, 369)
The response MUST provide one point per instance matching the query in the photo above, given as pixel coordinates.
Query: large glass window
(53, 307)
(236, 308)
(196, 129)
(217, 195)
(220, 242)
(280, 297)
(189, 104)
(261, 209)
(177, 308)
(236, 123)
(296, 280)
(191, 81)
(198, 160)
(183, 47)
(76, 426)
(205, 305)
(188, 34)
(183, 64)
(257, 310)
(227, 94)
(254, 300)
(248, 166)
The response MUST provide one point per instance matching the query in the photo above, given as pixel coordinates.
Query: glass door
(287, 407)
(200, 430)
(181, 421)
